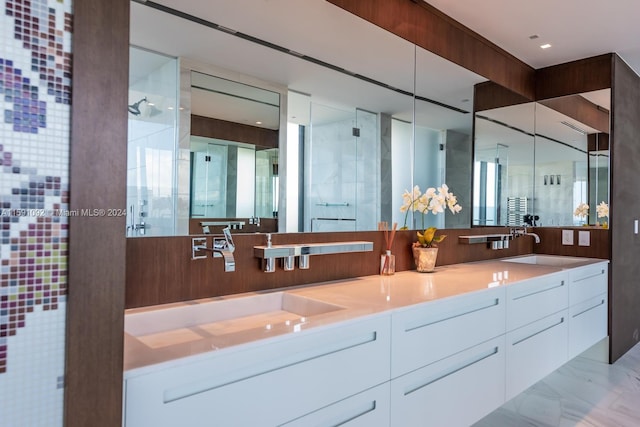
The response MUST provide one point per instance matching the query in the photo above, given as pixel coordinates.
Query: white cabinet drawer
(268, 384)
(533, 299)
(435, 330)
(534, 351)
(367, 409)
(588, 282)
(456, 391)
(587, 324)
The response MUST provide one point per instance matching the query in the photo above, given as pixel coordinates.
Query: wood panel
(489, 95)
(624, 292)
(230, 131)
(97, 245)
(597, 142)
(159, 269)
(582, 110)
(551, 242)
(427, 27)
(574, 77)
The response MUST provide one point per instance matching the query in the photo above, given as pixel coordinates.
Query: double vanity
(405, 350)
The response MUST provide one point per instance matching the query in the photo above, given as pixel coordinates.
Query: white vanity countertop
(356, 297)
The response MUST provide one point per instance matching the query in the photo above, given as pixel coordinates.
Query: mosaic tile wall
(35, 97)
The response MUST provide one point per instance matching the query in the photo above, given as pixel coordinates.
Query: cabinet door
(587, 324)
(536, 298)
(534, 351)
(429, 332)
(367, 409)
(588, 282)
(456, 391)
(268, 384)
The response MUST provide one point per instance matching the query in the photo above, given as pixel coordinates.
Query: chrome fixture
(233, 225)
(269, 253)
(493, 241)
(517, 232)
(135, 107)
(140, 228)
(254, 220)
(223, 246)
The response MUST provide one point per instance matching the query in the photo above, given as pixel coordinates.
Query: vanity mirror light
(347, 147)
(536, 162)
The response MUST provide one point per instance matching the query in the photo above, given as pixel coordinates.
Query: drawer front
(587, 324)
(269, 384)
(367, 409)
(533, 299)
(588, 282)
(433, 331)
(456, 391)
(534, 351)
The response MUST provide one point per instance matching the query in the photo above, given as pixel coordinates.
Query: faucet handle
(268, 240)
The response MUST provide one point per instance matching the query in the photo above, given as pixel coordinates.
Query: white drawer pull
(468, 310)
(539, 332)
(539, 291)
(341, 420)
(589, 309)
(452, 370)
(212, 383)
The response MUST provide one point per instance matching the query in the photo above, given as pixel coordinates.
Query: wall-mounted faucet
(517, 232)
(223, 246)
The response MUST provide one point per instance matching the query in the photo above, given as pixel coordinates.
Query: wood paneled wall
(427, 27)
(97, 245)
(551, 242)
(574, 77)
(159, 269)
(230, 131)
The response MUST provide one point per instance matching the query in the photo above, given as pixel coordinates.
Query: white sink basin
(551, 260)
(193, 321)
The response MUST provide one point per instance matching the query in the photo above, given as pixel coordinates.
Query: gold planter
(425, 259)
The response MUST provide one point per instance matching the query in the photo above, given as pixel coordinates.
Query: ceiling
(575, 29)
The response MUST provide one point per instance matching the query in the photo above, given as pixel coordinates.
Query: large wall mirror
(536, 162)
(356, 116)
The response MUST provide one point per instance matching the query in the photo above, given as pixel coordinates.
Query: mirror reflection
(234, 151)
(535, 163)
(351, 136)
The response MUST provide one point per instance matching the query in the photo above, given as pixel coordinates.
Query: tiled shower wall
(35, 98)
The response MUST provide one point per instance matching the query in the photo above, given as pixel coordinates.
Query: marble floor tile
(582, 393)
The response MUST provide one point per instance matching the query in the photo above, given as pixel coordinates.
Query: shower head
(135, 107)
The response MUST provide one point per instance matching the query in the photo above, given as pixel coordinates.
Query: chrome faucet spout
(517, 232)
(229, 261)
(535, 236)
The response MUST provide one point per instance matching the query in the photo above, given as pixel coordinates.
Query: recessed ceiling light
(258, 123)
(545, 46)
(534, 36)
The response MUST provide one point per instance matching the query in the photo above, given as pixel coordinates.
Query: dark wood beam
(427, 27)
(97, 244)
